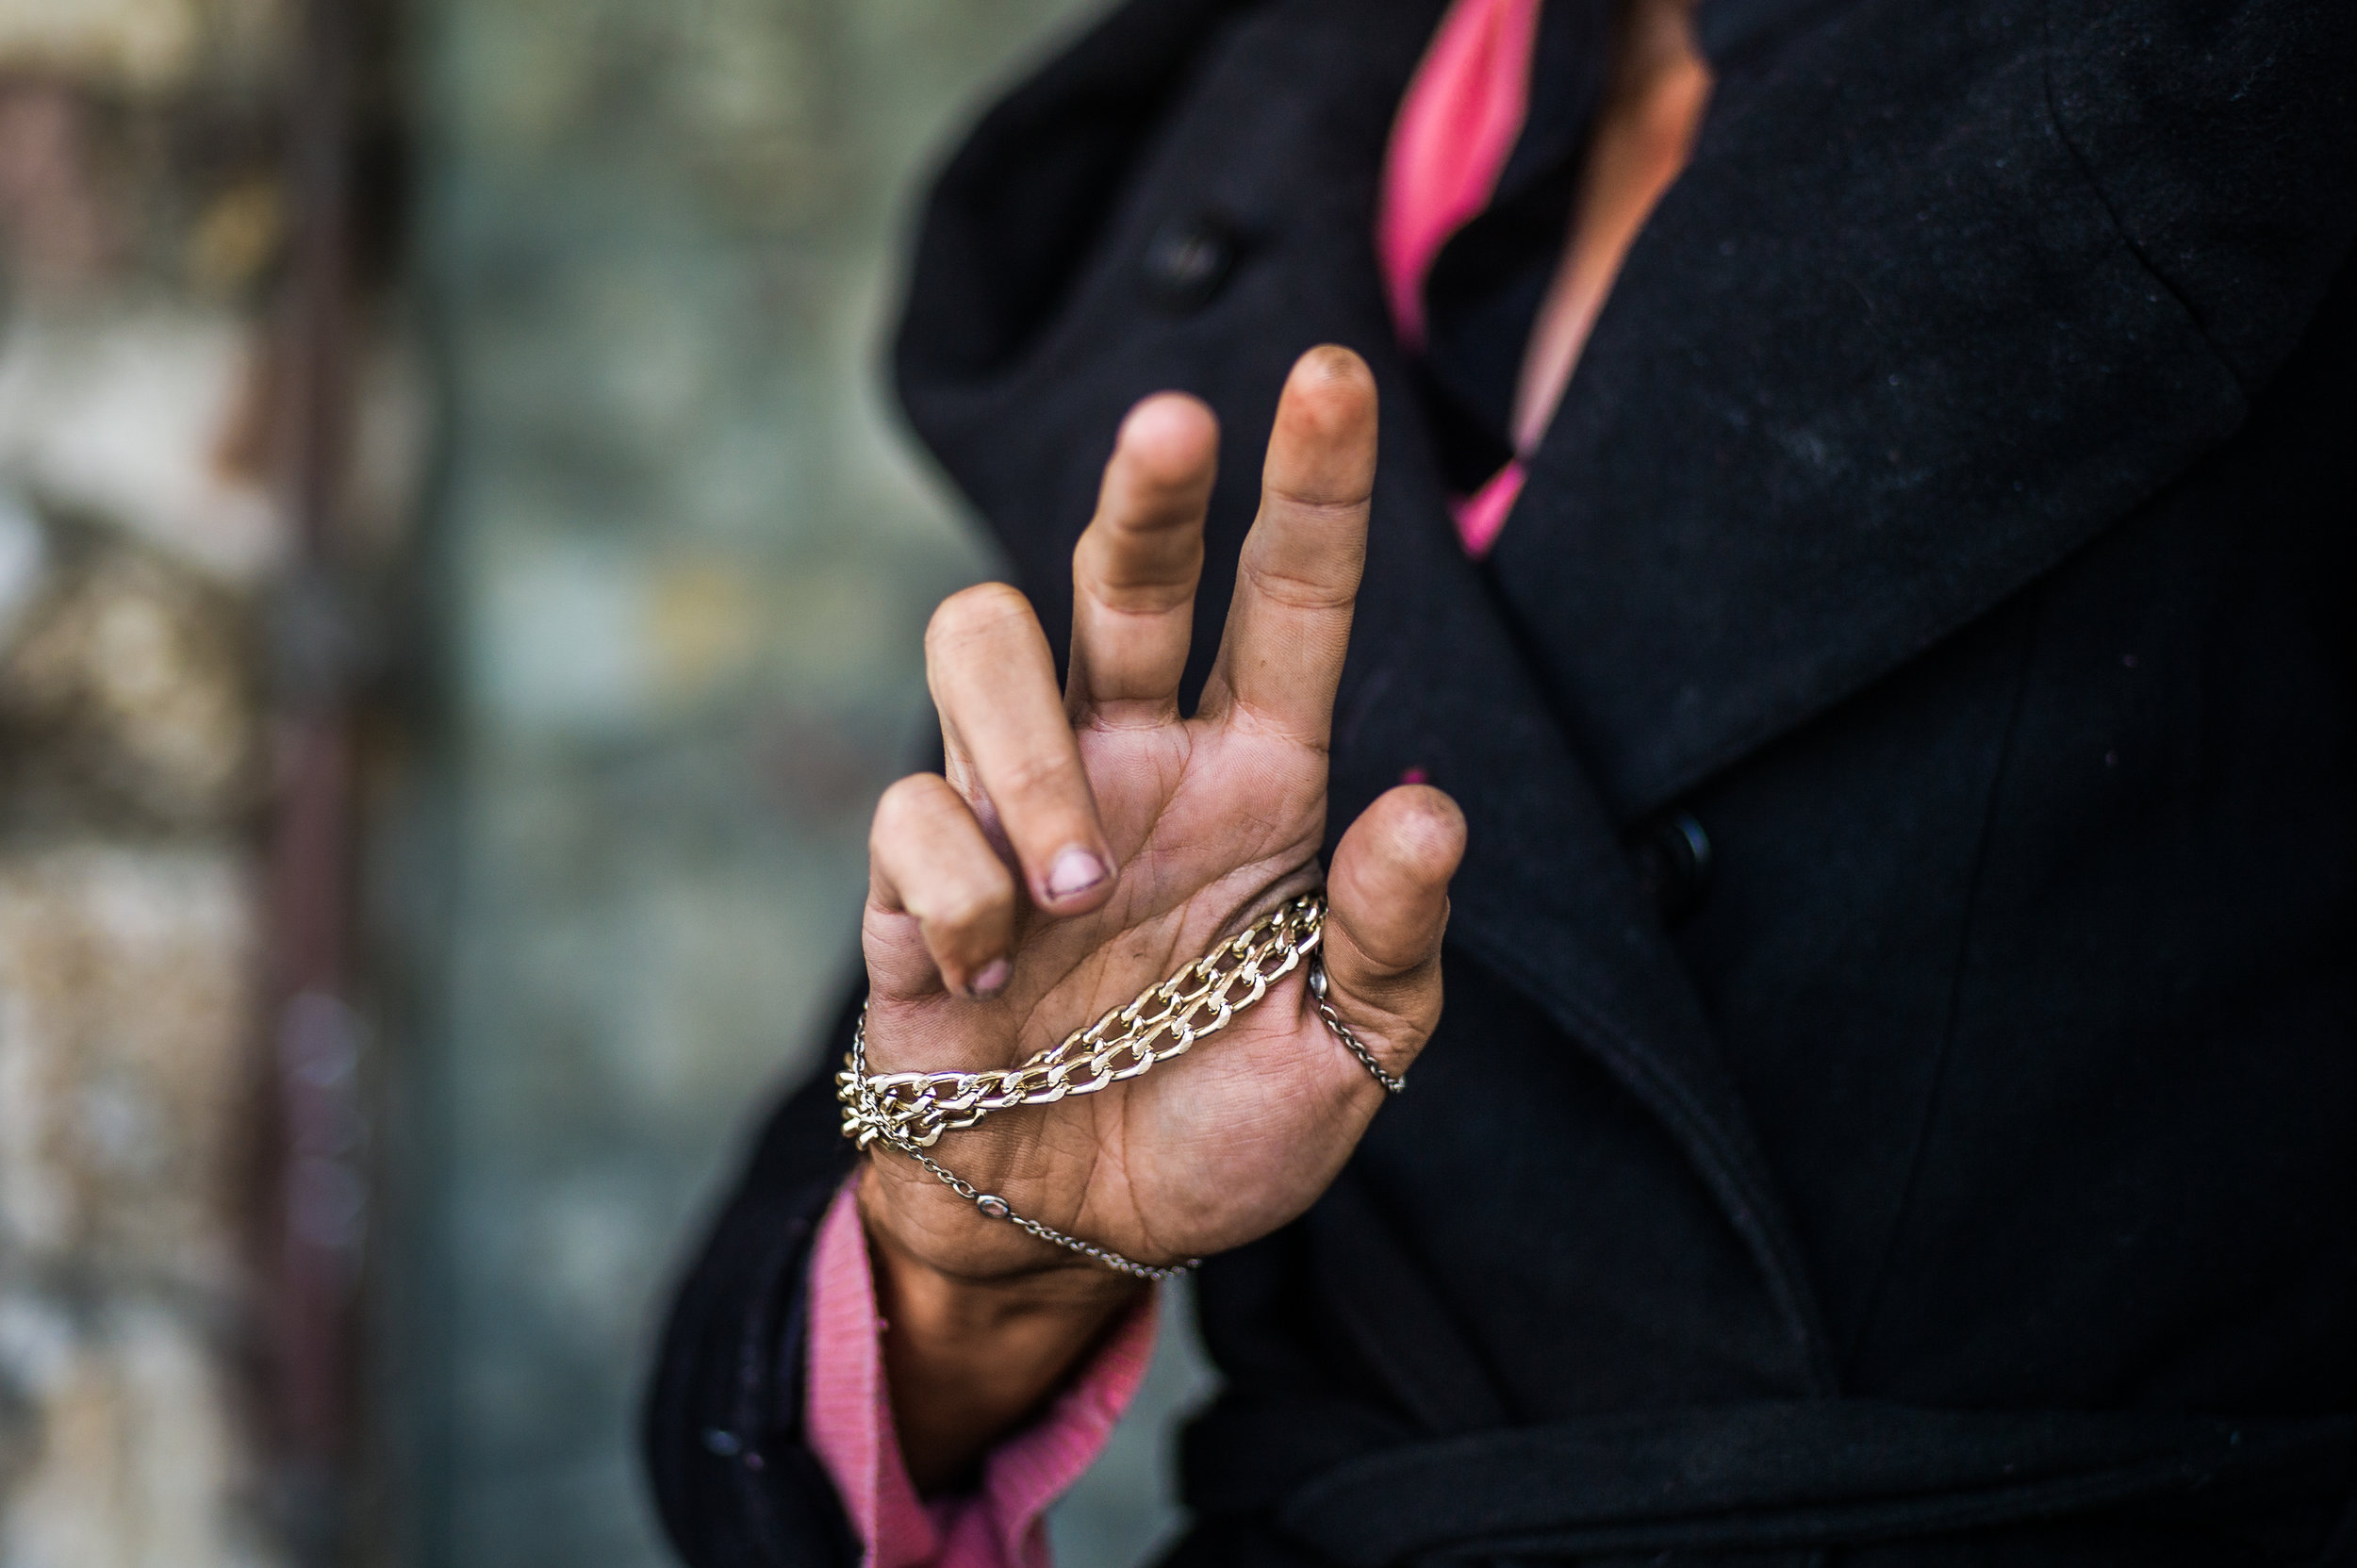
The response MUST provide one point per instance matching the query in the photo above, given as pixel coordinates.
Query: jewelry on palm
(910, 1111)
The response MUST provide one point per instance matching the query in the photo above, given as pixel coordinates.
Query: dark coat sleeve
(734, 1480)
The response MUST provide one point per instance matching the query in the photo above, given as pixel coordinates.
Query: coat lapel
(1880, 358)
(1546, 897)
(1437, 685)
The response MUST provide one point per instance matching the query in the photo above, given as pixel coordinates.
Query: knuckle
(1037, 775)
(975, 612)
(1131, 571)
(1319, 510)
(1296, 590)
(969, 906)
(904, 802)
(1392, 962)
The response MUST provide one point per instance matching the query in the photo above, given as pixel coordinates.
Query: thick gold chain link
(916, 1109)
(910, 1111)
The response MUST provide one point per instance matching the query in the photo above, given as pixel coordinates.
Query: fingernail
(1075, 872)
(992, 979)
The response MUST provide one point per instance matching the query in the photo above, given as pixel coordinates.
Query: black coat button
(1188, 260)
(1672, 854)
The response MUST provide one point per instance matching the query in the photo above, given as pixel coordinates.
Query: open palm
(1084, 845)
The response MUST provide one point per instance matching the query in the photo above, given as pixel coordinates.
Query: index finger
(1297, 578)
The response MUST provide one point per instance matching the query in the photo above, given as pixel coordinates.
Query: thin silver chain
(990, 1204)
(1393, 1082)
(1302, 920)
(995, 1207)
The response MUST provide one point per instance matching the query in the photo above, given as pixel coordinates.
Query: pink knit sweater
(847, 1416)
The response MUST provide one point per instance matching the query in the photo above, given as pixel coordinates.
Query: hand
(1083, 846)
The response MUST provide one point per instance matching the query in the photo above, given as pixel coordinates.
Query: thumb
(1387, 904)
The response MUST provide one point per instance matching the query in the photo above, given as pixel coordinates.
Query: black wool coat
(1897, 1101)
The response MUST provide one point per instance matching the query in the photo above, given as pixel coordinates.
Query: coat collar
(1546, 895)
(1880, 358)
(1437, 683)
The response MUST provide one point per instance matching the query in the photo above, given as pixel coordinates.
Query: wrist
(939, 1244)
(967, 1358)
(943, 1299)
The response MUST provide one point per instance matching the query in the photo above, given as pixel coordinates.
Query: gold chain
(1193, 1004)
(910, 1111)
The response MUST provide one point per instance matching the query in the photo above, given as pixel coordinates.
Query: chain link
(995, 1207)
(1166, 1021)
(910, 1111)
(1393, 1082)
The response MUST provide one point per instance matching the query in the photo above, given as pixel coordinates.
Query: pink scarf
(1457, 126)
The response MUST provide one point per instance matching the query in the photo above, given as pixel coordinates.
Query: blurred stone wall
(688, 558)
(631, 701)
(140, 216)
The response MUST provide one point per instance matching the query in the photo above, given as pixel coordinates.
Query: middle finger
(1297, 578)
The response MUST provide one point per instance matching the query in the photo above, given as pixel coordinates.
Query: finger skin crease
(1345, 507)
(1293, 591)
(1140, 600)
(1154, 521)
(1096, 722)
(1378, 970)
(1029, 775)
(1245, 714)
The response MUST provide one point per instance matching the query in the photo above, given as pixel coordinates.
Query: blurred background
(460, 587)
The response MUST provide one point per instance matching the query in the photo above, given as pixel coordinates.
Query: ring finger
(927, 859)
(1011, 745)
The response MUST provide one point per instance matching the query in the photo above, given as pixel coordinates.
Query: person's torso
(1947, 520)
